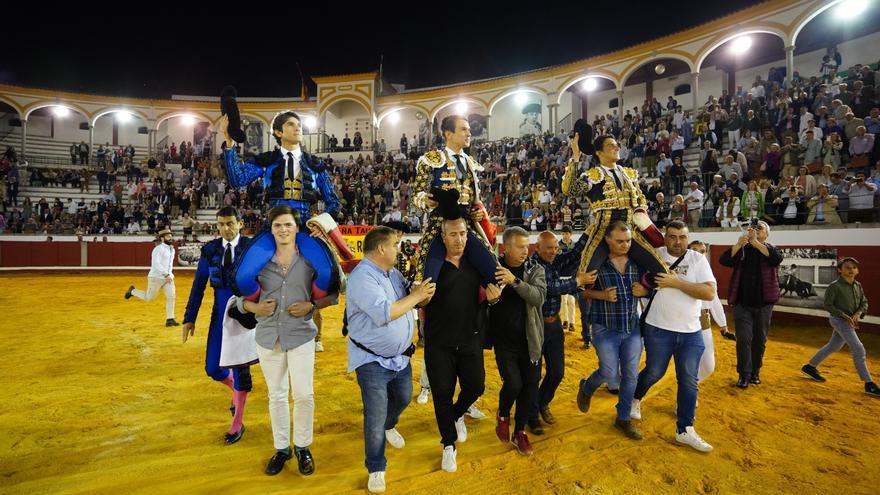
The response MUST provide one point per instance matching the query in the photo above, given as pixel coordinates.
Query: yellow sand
(100, 397)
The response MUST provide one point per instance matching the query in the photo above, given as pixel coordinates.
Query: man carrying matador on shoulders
(445, 176)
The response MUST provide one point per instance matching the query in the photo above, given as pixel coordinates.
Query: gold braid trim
(596, 235)
(641, 241)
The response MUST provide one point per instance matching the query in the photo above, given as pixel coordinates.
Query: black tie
(227, 256)
(459, 167)
(290, 169)
(616, 178)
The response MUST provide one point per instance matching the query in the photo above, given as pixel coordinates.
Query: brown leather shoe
(547, 416)
(583, 399)
(628, 429)
(521, 442)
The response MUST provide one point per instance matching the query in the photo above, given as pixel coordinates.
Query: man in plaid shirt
(555, 266)
(615, 319)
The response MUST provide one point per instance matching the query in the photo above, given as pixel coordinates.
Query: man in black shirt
(453, 343)
(754, 289)
(517, 334)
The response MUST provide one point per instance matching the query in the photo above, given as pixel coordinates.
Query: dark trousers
(520, 384)
(445, 365)
(584, 307)
(553, 353)
(752, 326)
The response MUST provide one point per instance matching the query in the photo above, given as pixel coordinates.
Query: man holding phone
(754, 289)
(861, 199)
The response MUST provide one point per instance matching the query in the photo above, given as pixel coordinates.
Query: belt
(551, 319)
(408, 352)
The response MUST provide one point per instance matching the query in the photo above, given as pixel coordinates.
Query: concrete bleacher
(35, 193)
(51, 148)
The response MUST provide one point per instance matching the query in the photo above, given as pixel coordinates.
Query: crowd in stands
(798, 150)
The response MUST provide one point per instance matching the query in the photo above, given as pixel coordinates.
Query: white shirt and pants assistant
(161, 264)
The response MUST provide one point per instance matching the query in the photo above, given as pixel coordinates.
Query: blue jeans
(844, 334)
(687, 349)
(385, 394)
(618, 352)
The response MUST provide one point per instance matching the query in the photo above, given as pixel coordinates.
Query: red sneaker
(521, 442)
(502, 428)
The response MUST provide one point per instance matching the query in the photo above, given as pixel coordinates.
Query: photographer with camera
(754, 289)
(861, 199)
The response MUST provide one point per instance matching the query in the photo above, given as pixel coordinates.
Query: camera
(753, 223)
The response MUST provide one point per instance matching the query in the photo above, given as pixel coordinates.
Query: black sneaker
(871, 388)
(128, 292)
(276, 463)
(583, 398)
(305, 460)
(171, 322)
(742, 383)
(755, 379)
(536, 428)
(810, 371)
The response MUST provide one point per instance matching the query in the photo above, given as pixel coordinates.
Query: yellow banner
(354, 237)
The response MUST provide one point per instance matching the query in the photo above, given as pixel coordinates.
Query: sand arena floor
(102, 398)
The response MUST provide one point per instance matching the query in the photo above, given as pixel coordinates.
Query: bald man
(556, 266)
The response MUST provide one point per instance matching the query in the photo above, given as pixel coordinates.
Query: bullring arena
(103, 397)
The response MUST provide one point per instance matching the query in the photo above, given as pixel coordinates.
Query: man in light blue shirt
(381, 325)
(663, 165)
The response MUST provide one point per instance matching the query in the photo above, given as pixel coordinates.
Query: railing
(566, 123)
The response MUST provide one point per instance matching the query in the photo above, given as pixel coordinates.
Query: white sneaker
(448, 463)
(319, 347)
(423, 396)
(461, 430)
(475, 413)
(376, 484)
(394, 437)
(635, 412)
(690, 437)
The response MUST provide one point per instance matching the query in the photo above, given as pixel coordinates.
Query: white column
(695, 90)
(553, 110)
(91, 140)
(789, 62)
(621, 109)
(23, 138)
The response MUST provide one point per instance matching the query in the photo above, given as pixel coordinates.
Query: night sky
(157, 51)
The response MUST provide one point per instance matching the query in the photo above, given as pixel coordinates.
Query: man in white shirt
(672, 329)
(160, 276)
(804, 119)
(694, 200)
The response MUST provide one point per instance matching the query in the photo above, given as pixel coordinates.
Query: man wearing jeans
(672, 329)
(846, 304)
(616, 334)
(754, 289)
(381, 325)
(553, 351)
